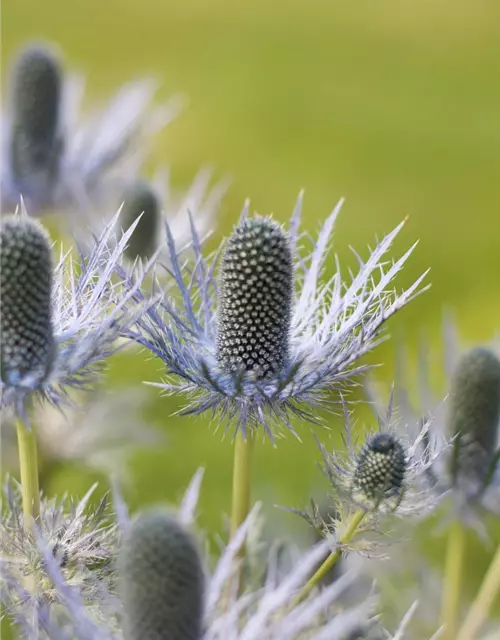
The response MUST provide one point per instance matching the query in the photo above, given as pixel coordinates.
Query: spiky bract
(140, 200)
(256, 288)
(380, 471)
(474, 412)
(332, 325)
(162, 580)
(81, 540)
(36, 141)
(87, 314)
(26, 274)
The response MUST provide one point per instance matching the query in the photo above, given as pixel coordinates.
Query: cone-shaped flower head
(58, 324)
(140, 198)
(474, 412)
(269, 337)
(36, 105)
(255, 299)
(380, 471)
(162, 580)
(26, 274)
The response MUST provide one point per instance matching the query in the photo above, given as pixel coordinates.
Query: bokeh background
(393, 104)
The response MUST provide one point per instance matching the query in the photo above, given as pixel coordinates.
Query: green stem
(28, 464)
(480, 608)
(455, 557)
(334, 557)
(242, 480)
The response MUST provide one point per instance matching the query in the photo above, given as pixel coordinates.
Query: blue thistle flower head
(59, 323)
(265, 338)
(58, 158)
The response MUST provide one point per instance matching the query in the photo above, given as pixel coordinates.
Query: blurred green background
(393, 104)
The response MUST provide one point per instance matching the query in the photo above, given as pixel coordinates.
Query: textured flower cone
(161, 580)
(475, 411)
(36, 103)
(141, 199)
(256, 299)
(380, 471)
(27, 343)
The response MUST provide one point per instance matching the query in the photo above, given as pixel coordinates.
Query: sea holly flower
(268, 338)
(58, 159)
(59, 323)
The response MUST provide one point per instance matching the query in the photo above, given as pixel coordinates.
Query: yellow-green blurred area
(393, 104)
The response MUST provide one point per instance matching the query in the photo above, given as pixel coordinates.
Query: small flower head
(385, 474)
(162, 580)
(256, 289)
(380, 471)
(26, 277)
(140, 201)
(256, 344)
(58, 326)
(36, 143)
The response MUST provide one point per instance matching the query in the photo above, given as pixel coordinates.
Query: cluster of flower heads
(162, 587)
(266, 338)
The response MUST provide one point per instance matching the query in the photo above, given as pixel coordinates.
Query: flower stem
(479, 610)
(28, 464)
(455, 557)
(242, 475)
(334, 557)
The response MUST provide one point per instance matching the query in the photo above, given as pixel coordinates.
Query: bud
(27, 342)
(256, 299)
(161, 579)
(36, 104)
(474, 411)
(141, 198)
(380, 472)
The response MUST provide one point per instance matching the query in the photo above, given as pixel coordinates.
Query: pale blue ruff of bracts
(89, 311)
(333, 324)
(57, 157)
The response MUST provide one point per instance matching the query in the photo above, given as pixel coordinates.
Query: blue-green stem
(453, 578)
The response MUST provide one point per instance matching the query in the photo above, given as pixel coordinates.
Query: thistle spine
(256, 299)
(27, 341)
(161, 580)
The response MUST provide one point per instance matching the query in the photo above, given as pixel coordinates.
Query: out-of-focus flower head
(58, 159)
(157, 202)
(469, 417)
(268, 338)
(82, 542)
(58, 324)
